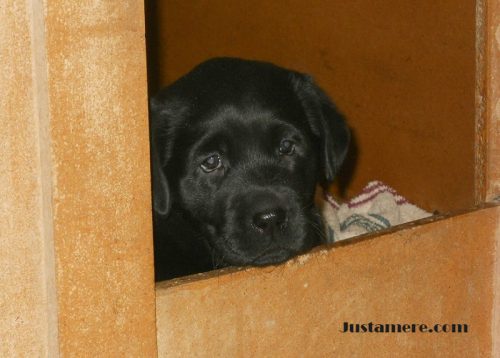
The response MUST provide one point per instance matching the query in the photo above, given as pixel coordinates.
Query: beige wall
(403, 72)
(75, 188)
(439, 272)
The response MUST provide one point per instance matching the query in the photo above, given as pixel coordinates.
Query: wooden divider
(101, 180)
(492, 100)
(28, 316)
(441, 272)
(76, 259)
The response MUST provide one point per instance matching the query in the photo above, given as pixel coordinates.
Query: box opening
(403, 74)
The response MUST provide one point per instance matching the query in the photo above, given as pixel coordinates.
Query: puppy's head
(239, 147)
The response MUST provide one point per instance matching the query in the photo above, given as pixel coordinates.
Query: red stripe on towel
(330, 200)
(371, 191)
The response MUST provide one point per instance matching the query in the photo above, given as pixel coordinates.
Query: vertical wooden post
(101, 184)
(75, 212)
(488, 100)
(28, 303)
(490, 148)
(493, 100)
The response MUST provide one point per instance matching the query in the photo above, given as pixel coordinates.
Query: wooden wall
(76, 263)
(436, 273)
(403, 72)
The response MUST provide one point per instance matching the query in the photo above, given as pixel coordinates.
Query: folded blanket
(376, 208)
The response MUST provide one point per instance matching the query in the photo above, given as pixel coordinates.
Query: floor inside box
(378, 207)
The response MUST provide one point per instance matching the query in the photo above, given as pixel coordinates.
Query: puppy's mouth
(273, 257)
(270, 256)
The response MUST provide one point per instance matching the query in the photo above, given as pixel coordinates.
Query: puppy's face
(240, 147)
(248, 174)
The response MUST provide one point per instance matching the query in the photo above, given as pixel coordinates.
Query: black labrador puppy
(238, 147)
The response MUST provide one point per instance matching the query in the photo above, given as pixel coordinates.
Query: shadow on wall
(348, 169)
(152, 46)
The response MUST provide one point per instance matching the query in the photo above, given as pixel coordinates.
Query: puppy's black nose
(269, 220)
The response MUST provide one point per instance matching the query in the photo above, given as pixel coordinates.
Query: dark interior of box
(401, 71)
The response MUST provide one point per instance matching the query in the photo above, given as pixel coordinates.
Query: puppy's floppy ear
(161, 193)
(167, 112)
(325, 122)
(158, 112)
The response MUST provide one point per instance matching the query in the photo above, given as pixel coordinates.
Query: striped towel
(378, 207)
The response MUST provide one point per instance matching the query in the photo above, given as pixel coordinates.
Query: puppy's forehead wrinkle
(261, 171)
(240, 114)
(250, 137)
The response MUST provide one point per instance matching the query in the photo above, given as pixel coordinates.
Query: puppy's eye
(287, 147)
(211, 163)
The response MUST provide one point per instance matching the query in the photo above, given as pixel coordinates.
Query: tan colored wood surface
(28, 322)
(76, 264)
(487, 101)
(493, 101)
(101, 182)
(439, 272)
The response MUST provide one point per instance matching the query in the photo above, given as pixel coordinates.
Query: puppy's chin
(267, 257)
(273, 257)
(264, 256)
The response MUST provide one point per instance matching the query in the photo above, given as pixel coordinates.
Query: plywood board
(435, 273)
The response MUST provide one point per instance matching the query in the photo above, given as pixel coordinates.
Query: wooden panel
(28, 320)
(493, 130)
(436, 273)
(491, 97)
(101, 183)
(403, 72)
